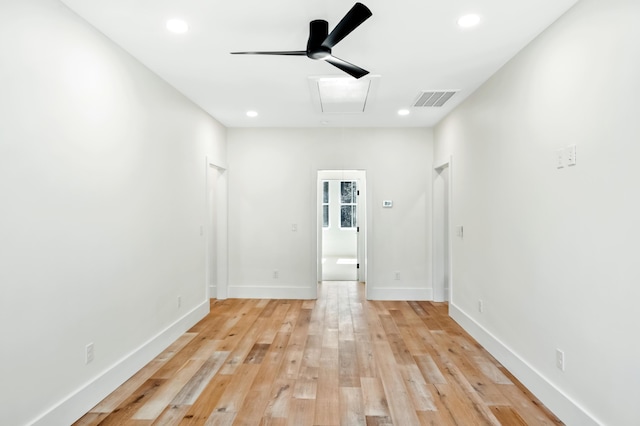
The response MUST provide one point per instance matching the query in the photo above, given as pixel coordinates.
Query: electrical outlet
(275, 274)
(560, 359)
(480, 306)
(397, 275)
(89, 353)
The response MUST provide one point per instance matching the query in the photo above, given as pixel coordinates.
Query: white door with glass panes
(339, 230)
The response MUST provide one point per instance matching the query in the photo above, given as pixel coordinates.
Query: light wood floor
(338, 360)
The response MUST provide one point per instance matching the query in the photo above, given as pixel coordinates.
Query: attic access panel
(342, 95)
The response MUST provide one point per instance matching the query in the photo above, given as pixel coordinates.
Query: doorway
(341, 208)
(215, 230)
(442, 233)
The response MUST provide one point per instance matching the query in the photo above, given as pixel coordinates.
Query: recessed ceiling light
(252, 114)
(177, 26)
(403, 112)
(468, 21)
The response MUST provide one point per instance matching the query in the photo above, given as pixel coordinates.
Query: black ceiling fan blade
(352, 20)
(283, 53)
(353, 70)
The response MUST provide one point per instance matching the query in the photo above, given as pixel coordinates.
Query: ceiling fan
(321, 41)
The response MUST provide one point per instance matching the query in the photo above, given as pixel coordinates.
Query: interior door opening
(341, 253)
(215, 230)
(441, 234)
(339, 230)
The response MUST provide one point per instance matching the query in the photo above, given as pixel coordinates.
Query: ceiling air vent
(434, 98)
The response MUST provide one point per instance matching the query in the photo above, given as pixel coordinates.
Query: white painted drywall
(272, 185)
(552, 252)
(102, 186)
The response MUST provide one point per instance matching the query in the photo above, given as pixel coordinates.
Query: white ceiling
(413, 45)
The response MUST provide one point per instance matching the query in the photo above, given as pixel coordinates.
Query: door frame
(220, 206)
(361, 177)
(438, 260)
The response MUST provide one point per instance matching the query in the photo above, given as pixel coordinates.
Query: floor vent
(434, 98)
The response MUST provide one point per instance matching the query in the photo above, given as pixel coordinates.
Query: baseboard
(271, 292)
(86, 397)
(395, 293)
(553, 398)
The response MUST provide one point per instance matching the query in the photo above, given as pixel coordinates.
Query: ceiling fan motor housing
(318, 32)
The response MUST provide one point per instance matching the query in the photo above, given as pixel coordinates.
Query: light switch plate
(571, 155)
(560, 158)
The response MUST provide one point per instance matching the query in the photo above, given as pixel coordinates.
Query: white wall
(102, 179)
(272, 185)
(553, 253)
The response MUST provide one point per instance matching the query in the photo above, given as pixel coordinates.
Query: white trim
(86, 397)
(221, 226)
(272, 292)
(570, 412)
(395, 293)
(363, 210)
(449, 243)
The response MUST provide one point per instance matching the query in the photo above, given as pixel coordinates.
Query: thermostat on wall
(387, 204)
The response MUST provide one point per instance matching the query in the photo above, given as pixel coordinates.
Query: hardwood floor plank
(312, 352)
(279, 403)
(290, 320)
(351, 407)
(194, 387)
(137, 399)
(345, 320)
(379, 421)
(507, 416)
(274, 324)
(302, 412)
(337, 360)
(233, 396)
(200, 411)
(305, 388)
(257, 353)
(349, 372)
(417, 387)
(530, 411)
(400, 405)
(373, 398)
(430, 370)
(294, 353)
(221, 418)
(436, 418)
(411, 340)
(465, 413)
(366, 358)
(117, 397)
(327, 396)
(172, 415)
(91, 419)
(168, 391)
(457, 367)
(264, 386)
